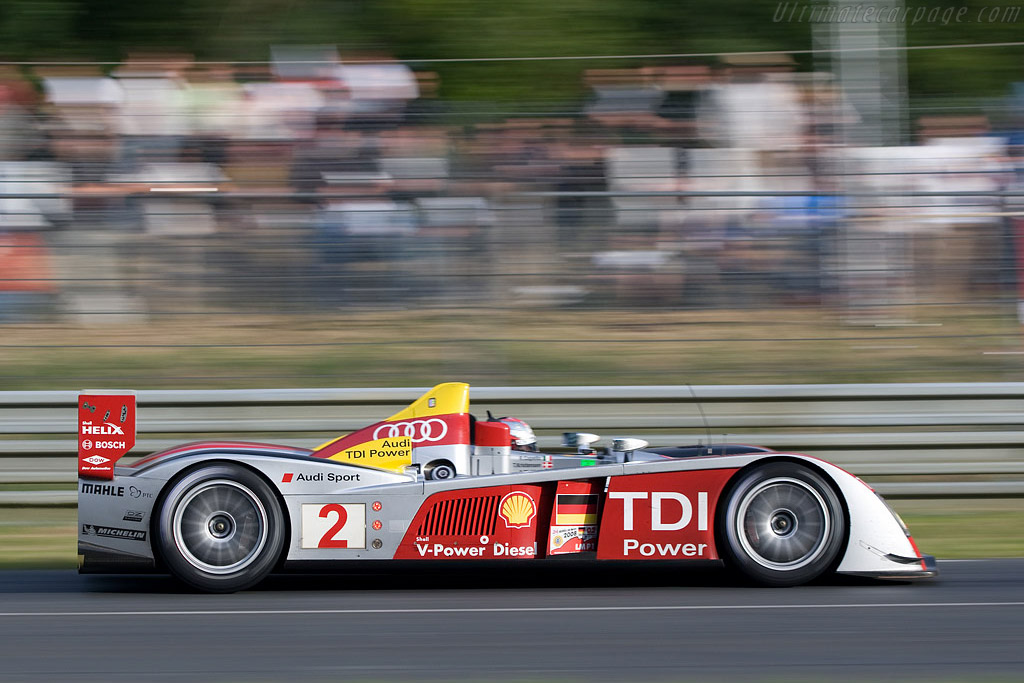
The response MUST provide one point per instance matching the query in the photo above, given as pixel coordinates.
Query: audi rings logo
(432, 429)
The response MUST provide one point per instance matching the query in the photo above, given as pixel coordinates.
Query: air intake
(461, 517)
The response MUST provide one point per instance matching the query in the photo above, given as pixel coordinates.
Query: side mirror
(628, 445)
(579, 439)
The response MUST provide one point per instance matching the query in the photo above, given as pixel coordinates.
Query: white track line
(475, 610)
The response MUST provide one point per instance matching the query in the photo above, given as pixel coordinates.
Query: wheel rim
(220, 527)
(783, 524)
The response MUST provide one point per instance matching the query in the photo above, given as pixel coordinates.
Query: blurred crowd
(164, 185)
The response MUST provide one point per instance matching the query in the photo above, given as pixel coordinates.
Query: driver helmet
(523, 438)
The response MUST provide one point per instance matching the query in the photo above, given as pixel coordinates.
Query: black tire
(440, 470)
(781, 525)
(220, 529)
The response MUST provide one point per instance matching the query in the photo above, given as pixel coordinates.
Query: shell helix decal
(106, 431)
(394, 453)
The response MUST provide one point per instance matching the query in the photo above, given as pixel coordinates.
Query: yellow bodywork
(396, 453)
(444, 399)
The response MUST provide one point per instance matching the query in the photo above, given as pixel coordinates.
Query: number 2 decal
(328, 540)
(332, 526)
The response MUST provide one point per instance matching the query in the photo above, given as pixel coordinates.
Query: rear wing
(106, 432)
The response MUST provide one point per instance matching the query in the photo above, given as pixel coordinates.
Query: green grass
(948, 529)
(37, 538)
(515, 346)
(958, 529)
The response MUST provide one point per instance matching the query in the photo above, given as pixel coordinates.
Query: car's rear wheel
(220, 528)
(782, 525)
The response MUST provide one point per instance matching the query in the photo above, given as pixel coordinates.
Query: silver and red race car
(432, 482)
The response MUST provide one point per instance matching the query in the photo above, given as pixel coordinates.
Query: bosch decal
(103, 445)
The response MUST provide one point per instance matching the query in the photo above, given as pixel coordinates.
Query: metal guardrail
(924, 440)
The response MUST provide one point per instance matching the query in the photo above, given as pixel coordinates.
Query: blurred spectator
(314, 180)
(754, 105)
(27, 287)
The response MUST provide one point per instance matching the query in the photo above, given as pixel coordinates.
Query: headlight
(895, 514)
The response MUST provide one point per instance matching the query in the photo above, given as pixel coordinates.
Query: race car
(434, 483)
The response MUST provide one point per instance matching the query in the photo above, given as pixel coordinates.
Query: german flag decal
(575, 508)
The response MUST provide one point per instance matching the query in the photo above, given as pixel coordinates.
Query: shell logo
(517, 509)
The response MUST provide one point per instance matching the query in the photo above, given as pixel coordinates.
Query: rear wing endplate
(106, 432)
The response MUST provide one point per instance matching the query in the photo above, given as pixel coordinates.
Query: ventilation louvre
(471, 516)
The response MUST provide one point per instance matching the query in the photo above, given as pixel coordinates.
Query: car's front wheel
(220, 528)
(782, 525)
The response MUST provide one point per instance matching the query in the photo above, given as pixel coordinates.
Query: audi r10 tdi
(433, 483)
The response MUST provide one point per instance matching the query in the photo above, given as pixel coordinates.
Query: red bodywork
(106, 431)
(438, 430)
(663, 516)
(668, 515)
(494, 522)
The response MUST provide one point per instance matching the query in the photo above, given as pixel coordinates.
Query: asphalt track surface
(562, 622)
